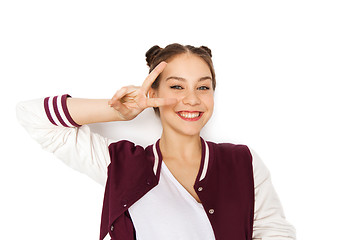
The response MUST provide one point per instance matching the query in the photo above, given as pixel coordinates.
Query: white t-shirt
(177, 214)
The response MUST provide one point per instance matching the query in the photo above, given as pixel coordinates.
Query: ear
(152, 93)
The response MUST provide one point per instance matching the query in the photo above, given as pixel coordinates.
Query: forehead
(188, 66)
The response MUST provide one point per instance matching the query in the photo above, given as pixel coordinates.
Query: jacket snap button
(211, 211)
(124, 203)
(200, 189)
(111, 228)
(149, 182)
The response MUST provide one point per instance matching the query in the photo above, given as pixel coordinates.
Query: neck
(180, 148)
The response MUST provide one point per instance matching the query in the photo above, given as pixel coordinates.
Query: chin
(190, 132)
(188, 129)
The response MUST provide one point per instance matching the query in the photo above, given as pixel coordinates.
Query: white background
(280, 72)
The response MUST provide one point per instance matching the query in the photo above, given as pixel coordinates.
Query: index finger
(152, 76)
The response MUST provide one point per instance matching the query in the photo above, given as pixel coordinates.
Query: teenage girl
(180, 187)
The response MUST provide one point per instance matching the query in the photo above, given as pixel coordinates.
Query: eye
(176, 87)
(204, 88)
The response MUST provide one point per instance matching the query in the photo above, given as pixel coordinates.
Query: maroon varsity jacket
(224, 184)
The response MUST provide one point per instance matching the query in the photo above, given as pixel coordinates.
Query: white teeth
(189, 115)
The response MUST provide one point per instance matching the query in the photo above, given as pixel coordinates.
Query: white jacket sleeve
(50, 124)
(269, 219)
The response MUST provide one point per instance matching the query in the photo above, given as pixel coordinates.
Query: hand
(130, 101)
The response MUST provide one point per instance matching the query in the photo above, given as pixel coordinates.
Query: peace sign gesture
(130, 101)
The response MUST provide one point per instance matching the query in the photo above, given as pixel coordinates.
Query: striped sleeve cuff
(57, 111)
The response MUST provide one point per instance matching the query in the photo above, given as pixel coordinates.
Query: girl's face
(187, 78)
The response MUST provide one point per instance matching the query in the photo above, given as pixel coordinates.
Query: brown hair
(156, 54)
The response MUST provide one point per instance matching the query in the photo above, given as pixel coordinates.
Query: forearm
(50, 124)
(85, 111)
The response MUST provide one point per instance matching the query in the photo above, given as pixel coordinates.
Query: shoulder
(234, 156)
(125, 149)
(230, 149)
(123, 145)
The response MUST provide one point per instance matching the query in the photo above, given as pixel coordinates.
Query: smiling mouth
(190, 116)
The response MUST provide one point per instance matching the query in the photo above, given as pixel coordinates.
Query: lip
(190, 119)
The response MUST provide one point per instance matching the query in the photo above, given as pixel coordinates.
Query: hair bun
(207, 50)
(152, 53)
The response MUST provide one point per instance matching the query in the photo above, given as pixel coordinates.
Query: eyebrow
(183, 79)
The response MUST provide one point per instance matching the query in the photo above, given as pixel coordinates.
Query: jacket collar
(204, 160)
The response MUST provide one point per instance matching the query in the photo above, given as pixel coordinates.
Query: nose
(191, 98)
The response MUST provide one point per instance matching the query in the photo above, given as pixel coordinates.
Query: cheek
(208, 100)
